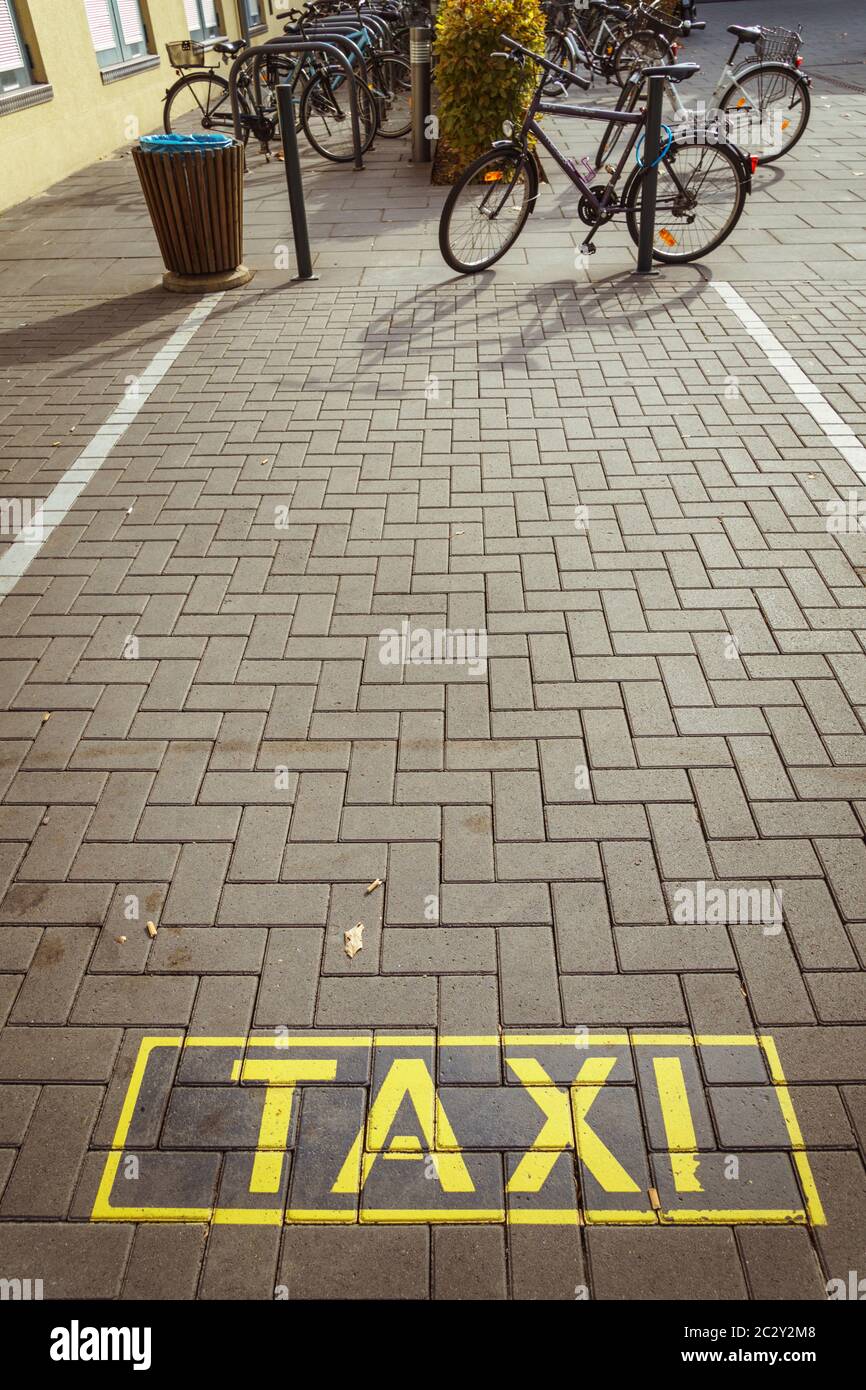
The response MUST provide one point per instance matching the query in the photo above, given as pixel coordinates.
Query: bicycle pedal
(587, 249)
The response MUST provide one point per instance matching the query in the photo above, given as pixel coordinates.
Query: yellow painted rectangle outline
(812, 1213)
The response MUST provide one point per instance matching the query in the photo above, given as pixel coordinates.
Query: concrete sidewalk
(623, 491)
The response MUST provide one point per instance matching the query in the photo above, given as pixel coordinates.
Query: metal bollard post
(651, 150)
(420, 61)
(292, 161)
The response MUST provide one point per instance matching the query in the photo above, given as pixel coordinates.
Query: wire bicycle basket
(187, 53)
(778, 45)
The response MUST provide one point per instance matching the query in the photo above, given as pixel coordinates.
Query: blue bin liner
(211, 141)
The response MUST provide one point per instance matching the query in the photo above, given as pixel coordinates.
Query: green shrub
(477, 93)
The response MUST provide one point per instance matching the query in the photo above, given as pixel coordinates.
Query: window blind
(11, 57)
(130, 21)
(101, 27)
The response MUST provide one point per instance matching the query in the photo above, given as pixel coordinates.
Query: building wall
(86, 118)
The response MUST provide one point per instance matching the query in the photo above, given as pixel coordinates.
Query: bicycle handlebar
(517, 48)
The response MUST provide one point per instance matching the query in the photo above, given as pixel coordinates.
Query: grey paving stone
(632, 880)
(16, 1107)
(780, 1264)
(55, 973)
(240, 1263)
(618, 999)
(58, 1054)
(529, 986)
(287, 994)
(196, 885)
(469, 1262)
(207, 950)
(379, 1001)
(165, 1262)
(547, 1263)
(636, 1263)
(438, 950)
(134, 1000)
(75, 1261)
(357, 1262)
(43, 1179)
(584, 940)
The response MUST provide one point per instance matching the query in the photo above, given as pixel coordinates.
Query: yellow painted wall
(87, 119)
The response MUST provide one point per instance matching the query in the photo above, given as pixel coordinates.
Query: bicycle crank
(588, 213)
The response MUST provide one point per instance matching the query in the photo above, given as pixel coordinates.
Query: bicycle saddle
(230, 47)
(674, 72)
(618, 11)
(744, 32)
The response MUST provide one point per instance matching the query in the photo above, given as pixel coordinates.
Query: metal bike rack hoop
(261, 52)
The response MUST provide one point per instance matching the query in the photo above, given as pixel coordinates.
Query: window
(202, 18)
(117, 30)
(253, 10)
(14, 65)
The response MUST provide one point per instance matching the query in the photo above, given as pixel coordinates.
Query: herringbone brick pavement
(614, 486)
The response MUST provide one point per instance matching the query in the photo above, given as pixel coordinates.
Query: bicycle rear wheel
(486, 209)
(395, 114)
(326, 117)
(701, 195)
(767, 111)
(201, 96)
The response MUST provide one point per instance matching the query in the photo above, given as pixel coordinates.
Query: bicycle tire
(782, 72)
(321, 101)
(396, 120)
(214, 83)
(732, 161)
(523, 163)
(557, 49)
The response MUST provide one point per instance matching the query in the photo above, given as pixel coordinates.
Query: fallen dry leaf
(371, 887)
(46, 717)
(353, 940)
(151, 929)
(120, 940)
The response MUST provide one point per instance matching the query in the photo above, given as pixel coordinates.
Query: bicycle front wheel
(767, 110)
(326, 117)
(557, 50)
(486, 209)
(201, 96)
(701, 194)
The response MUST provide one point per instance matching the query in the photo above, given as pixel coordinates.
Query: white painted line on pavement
(22, 553)
(840, 435)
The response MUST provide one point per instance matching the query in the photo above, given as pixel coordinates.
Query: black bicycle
(702, 184)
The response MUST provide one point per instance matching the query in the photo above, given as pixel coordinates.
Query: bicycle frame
(530, 126)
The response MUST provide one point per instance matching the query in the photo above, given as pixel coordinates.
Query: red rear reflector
(799, 60)
(754, 159)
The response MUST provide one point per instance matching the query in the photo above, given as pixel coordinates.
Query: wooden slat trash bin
(194, 189)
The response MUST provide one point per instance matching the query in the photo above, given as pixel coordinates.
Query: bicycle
(205, 89)
(604, 38)
(701, 192)
(761, 104)
(384, 100)
(323, 117)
